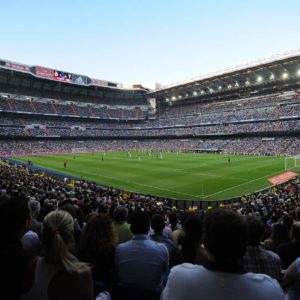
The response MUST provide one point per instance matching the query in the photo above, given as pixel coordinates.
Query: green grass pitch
(182, 176)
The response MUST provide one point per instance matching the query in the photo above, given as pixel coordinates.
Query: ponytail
(58, 228)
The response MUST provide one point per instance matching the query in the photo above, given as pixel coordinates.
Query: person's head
(120, 213)
(57, 235)
(193, 228)
(158, 223)
(14, 216)
(255, 230)
(191, 240)
(224, 235)
(140, 223)
(287, 220)
(280, 233)
(103, 209)
(295, 232)
(297, 212)
(173, 218)
(98, 236)
(35, 208)
(68, 207)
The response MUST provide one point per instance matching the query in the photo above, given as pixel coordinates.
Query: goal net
(291, 162)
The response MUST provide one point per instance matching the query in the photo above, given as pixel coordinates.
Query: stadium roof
(275, 71)
(65, 77)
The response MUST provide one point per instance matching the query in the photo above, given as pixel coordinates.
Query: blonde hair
(57, 232)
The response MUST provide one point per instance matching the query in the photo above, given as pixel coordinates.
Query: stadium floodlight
(173, 97)
(237, 84)
(167, 99)
(220, 87)
(211, 90)
(179, 96)
(186, 94)
(202, 92)
(195, 93)
(298, 72)
(229, 86)
(272, 76)
(247, 82)
(259, 79)
(285, 75)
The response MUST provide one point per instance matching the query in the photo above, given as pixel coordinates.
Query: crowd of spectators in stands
(65, 108)
(285, 146)
(254, 127)
(94, 239)
(277, 115)
(247, 103)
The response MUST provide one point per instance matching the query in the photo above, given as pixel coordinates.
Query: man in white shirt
(222, 278)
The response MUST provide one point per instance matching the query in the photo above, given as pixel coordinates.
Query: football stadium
(190, 190)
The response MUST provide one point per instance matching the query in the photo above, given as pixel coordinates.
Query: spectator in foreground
(158, 225)
(190, 242)
(97, 245)
(141, 262)
(59, 275)
(120, 215)
(16, 263)
(257, 259)
(35, 208)
(221, 277)
(291, 280)
(288, 252)
(279, 235)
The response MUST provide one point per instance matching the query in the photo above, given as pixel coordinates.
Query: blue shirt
(141, 262)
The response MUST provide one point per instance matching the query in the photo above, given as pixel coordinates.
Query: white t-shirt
(193, 282)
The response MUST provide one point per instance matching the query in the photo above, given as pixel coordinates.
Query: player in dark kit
(65, 164)
(229, 160)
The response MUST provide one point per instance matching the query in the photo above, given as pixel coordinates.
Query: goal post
(291, 162)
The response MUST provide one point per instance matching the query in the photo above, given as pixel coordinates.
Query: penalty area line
(233, 187)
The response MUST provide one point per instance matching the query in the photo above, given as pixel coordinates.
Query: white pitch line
(146, 185)
(233, 187)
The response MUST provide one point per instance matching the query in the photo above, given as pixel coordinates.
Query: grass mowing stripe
(266, 176)
(180, 177)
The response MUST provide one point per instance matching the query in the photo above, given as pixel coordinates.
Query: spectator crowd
(80, 240)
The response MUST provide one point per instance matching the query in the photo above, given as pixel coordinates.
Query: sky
(146, 41)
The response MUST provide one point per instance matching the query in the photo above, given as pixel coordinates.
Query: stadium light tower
(272, 77)
(195, 93)
(173, 97)
(285, 75)
(298, 72)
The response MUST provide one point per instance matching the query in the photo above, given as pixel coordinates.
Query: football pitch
(182, 176)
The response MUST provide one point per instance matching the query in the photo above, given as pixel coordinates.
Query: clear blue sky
(145, 41)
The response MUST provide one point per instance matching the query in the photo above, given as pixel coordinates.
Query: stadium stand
(226, 113)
